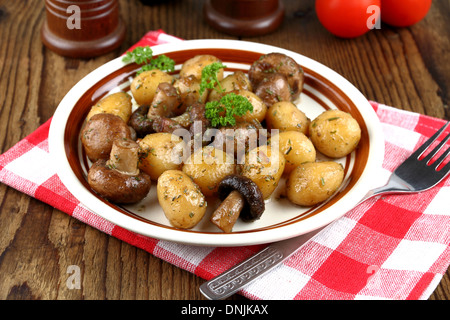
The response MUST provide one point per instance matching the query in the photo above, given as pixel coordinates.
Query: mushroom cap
(140, 122)
(274, 88)
(254, 201)
(116, 186)
(277, 62)
(100, 131)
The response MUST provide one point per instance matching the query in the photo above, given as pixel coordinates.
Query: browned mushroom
(197, 118)
(276, 62)
(274, 88)
(100, 131)
(240, 197)
(166, 103)
(151, 119)
(118, 179)
(189, 90)
(238, 139)
(156, 117)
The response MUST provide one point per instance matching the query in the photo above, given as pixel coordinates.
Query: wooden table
(407, 68)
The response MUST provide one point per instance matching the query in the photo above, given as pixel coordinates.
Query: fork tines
(433, 152)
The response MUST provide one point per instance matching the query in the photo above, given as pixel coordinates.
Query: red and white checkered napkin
(395, 247)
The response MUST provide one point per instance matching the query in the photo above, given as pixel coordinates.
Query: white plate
(323, 89)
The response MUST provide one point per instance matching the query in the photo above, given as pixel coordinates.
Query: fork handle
(393, 186)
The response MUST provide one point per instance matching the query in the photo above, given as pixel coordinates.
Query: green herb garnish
(140, 55)
(222, 112)
(144, 56)
(209, 77)
(162, 62)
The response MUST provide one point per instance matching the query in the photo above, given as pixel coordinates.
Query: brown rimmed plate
(324, 89)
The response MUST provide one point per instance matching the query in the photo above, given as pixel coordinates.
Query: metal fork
(415, 174)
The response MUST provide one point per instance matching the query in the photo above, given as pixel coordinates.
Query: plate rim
(362, 186)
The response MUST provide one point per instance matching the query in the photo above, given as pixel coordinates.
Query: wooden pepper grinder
(244, 17)
(82, 29)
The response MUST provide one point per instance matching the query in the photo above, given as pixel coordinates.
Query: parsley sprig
(222, 112)
(209, 77)
(144, 56)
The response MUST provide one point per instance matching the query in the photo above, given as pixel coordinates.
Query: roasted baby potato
(335, 133)
(296, 149)
(195, 65)
(233, 82)
(314, 182)
(144, 85)
(181, 199)
(285, 116)
(160, 152)
(264, 165)
(118, 103)
(259, 107)
(207, 167)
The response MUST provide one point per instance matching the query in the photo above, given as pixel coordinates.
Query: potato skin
(181, 199)
(264, 165)
(314, 182)
(207, 167)
(99, 132)
(195, 65)
(160, 152)
(335, 133)
(233, 82)
(118, 103)
(144, 85)
(259, 107)
(296, 149)
(285, 116)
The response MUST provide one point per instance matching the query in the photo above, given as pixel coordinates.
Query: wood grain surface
(403, 67)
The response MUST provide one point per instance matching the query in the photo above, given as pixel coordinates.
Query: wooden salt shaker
(82, 29)
(244, 17)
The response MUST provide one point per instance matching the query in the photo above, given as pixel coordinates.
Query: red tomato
(403, 13)
(348, 18)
